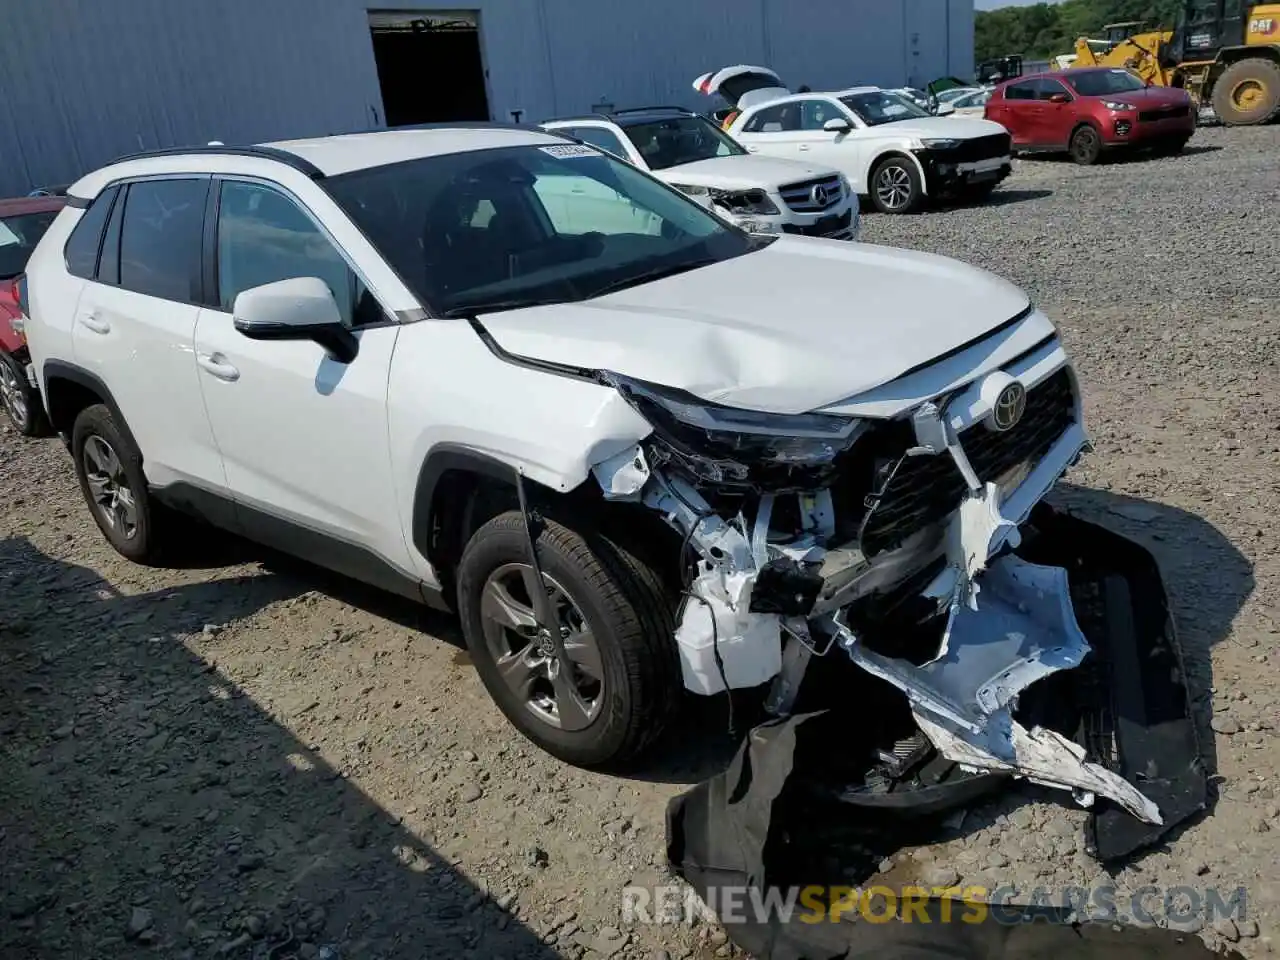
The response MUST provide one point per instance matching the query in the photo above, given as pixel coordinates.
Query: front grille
(824, 227)
(917, 492)
(799, 196)
(1164, 113)
(980, 148)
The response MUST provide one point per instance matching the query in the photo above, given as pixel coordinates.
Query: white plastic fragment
(717, 619)
(623, 475)
(1042, 756)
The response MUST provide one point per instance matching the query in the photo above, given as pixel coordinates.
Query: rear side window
(81, 251)
(160, 238)
(773, 120)
(599, 137)
(1019, 91)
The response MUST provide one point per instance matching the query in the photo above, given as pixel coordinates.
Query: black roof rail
(305, 167)
(463, 125)
(657, 109)
(577, 116)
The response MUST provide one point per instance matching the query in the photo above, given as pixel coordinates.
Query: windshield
(511, 227)
(18, 237)
(676, 140)
(1100, 83)
(881, 106)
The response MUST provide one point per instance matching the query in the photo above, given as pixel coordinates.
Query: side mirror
(837, 125)
(299, 309)
(945, 109)
(1059, 98)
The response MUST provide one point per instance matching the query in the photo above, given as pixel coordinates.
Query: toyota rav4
(636, 453)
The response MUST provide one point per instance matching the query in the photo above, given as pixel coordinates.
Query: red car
(22, 224)
(1089, 110)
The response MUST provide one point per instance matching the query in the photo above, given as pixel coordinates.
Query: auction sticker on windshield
(565, 151)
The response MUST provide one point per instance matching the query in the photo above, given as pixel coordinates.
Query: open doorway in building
(430, 67)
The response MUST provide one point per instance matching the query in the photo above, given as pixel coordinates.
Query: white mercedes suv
(637, 450)
(890, 148)
(759, 194)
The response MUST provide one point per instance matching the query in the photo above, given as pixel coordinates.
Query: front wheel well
(897, 154)
(1233, 55)
(457, 498)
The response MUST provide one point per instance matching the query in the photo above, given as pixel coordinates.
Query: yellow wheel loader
(1225, 53)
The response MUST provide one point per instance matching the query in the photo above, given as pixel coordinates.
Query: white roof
(357, 151)
(331, 155)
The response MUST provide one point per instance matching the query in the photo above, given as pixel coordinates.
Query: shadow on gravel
(143, 799)
(999, 198)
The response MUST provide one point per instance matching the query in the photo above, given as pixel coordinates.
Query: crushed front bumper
(944, 175)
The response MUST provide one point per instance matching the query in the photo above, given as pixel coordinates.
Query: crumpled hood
(743, 172)
(795, 326)
(937, 128)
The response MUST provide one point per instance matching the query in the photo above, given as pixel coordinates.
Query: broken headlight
(752, 203)
(722, 444)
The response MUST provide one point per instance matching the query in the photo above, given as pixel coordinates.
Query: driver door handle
(804, 146)
(216, 365)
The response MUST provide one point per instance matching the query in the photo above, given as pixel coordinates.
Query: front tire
(1086, 146)
(896, 186)
(616, 623)
(109, 468)
(20, 401)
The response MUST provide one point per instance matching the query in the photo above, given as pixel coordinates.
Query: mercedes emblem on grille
(819, 196)
(1010, 406)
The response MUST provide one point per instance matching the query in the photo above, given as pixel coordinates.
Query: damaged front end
(916, 546)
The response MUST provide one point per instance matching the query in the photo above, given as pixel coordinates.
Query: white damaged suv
(634, 461)
(689, 152)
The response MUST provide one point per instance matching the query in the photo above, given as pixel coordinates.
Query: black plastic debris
(760, 826)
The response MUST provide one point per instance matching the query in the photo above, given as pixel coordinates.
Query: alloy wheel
(893, 187)
(12, 395)
(565, 692)
(113, 498)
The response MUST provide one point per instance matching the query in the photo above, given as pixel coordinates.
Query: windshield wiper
(648, 276)
(470, 308)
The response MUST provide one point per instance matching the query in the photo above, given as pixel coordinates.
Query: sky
(997, 4)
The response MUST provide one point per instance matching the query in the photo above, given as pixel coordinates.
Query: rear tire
(896, 186)
(1247, 93)
(109, 468)
(20, 401)
(1086, 146)
(625, 691)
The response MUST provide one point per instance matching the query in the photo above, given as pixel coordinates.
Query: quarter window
(264, 237)
(160, 237)
(81, 251)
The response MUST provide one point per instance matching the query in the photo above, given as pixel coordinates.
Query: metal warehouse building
(84, 81)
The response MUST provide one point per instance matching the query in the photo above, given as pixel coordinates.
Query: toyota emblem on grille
(1010, 406)
(819, 196)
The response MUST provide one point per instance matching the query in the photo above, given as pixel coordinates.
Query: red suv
(1088, 110)
(22, 224)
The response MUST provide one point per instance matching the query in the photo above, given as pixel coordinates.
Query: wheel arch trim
(902, 153)
(54, 370)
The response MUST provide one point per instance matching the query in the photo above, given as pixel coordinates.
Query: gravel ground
(256, 760)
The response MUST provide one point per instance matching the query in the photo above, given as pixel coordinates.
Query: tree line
(1045, 30)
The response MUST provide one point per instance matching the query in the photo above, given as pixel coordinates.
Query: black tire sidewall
(917, 187)
(1093, 155)
(34, 425)
(502, 541)
(98, 421)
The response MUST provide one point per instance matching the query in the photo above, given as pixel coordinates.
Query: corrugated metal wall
(83, 81)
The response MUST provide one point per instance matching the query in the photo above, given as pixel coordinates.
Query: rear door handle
(216, 365)
(804, 146)
(95, 323)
